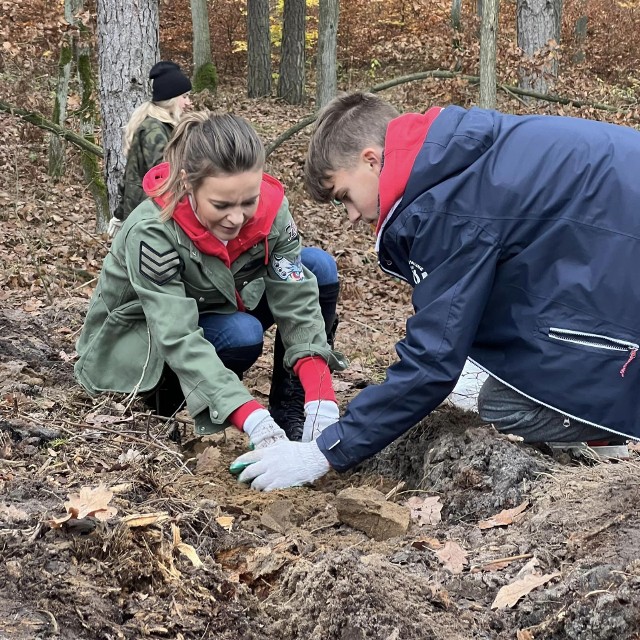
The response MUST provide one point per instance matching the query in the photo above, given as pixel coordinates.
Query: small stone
(367, 510)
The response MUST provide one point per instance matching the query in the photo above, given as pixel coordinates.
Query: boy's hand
(263, 430)
(319, 414)
(285, 464)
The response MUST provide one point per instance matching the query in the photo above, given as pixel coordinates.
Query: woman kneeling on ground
(196, 275)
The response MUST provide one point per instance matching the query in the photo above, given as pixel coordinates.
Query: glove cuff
(324, 408)
(254, 419)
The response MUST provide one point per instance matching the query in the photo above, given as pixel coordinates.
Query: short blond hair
(346, 126)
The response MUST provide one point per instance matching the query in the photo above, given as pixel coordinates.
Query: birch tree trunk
(538, 22)
(128, 46)
(201, 35)
(258, 49)
(327, 56)
(488, 35)
(292, 71)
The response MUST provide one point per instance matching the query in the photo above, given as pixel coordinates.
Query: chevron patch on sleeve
(159, 267)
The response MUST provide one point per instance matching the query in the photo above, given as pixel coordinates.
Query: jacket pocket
(596, 341)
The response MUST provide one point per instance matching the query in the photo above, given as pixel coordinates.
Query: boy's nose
(353, 214)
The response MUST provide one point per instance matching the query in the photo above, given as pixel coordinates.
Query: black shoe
(286, 405)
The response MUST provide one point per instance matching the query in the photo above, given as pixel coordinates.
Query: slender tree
(538, 23)
(292, 55)
(488, 34)
(327, 57)
(128, 46)
(258, 49)
(205, 75)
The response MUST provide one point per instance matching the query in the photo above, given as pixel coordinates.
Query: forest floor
(453, 532)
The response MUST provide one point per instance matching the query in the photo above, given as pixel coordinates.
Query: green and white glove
(319, 414)
(262, 429)
(285, 464)
(114, 226)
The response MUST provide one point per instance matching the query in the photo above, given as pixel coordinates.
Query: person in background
(196, 275)
(147, 133)
(520, 236)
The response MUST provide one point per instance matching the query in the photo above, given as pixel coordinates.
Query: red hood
(404, 139)
(256, 230)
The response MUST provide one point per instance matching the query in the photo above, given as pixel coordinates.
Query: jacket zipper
(598, 341)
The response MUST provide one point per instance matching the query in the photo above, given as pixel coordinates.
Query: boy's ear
(373, 157)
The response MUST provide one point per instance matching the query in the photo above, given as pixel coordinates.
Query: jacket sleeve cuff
(237, 418)
(315, 377)
(329, 443)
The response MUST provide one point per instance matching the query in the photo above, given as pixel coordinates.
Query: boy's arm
(449, 304)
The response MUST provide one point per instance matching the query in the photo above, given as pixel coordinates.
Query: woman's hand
(319, 414)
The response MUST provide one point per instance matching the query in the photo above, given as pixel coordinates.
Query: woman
(147, 133)
(195, 277)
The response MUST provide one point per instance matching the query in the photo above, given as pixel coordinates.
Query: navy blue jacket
(521, 238)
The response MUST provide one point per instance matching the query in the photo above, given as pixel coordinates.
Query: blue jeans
(238, 337)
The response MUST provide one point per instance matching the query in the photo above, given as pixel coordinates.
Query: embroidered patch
(286, 269)
(292, 230)
(159, 267)
(418, 272)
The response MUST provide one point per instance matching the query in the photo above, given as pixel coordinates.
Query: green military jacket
(152, 288)
(146, 151)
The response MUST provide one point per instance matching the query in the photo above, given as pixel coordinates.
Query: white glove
(114, 226)
(319, 415)
(285, 464)
(262, 429)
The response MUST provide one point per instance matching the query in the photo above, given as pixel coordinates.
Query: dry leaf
(145, 519)
(89, 502)
(226, 522)
(524, 634)
(185, 549)
(208, 461)
(509, 595)
(130, 456)
(504, 518)
(425, 510)
(452, 556)
(426, 543)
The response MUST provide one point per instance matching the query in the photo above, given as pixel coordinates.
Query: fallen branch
(42, 122)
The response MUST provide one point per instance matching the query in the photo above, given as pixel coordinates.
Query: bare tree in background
(327, 56)
(128, 46)
(205, 75)
(538, 23)
(292, 56)
(258, 49)
(488, 35)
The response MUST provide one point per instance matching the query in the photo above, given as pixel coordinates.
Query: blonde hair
(346, 126)
(167, 111)
(203, 145)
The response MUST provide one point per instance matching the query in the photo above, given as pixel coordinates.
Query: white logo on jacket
(292, 230)
(418, 272)
(286, 269)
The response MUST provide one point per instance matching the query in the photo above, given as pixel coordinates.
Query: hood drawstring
(628, 362)
(266, 251)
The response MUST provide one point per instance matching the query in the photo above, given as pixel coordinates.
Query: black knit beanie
(168, 81)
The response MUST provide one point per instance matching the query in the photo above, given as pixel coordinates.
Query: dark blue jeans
(238, 337)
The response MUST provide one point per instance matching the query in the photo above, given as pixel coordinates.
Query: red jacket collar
(404, 139)
(256, 230)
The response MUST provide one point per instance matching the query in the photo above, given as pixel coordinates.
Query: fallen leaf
(509, 595)
(425, 510)
(145, 519)
(88, 502)
(452, 556)
(208, 461)
(185, 549)
(226, 522)
(426, 543)
(524, 634)
(504, 518)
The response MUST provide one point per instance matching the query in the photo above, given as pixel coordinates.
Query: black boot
(286, 397)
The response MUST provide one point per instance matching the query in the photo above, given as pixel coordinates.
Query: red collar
(403, 141)
(256, 230)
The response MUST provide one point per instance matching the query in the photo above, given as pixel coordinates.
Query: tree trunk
(201, 36)
(327, 57)
(258, 49)
(292, 72)
(56, 144)
(488, 36)
(581, 37)
(127, 49)
(538, 22)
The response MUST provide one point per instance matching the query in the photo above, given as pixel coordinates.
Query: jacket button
(215, 414)
(245, 283)
(388, 262)
(200, 299)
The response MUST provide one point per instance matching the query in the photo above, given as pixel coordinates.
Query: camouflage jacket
(146, 151)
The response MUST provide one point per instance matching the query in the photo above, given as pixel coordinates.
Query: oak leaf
(452, 556)
(528, 579)
(504, 518)
(425, 510)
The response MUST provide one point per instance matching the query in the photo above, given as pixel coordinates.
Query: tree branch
(40, 121)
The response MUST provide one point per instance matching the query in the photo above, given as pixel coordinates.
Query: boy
(521, 238)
